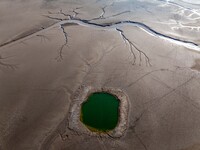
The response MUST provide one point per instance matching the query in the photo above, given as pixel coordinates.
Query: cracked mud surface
(149, 49)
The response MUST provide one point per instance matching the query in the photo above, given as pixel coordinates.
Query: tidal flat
(147, 49)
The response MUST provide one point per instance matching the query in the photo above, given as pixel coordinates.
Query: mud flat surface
(148, 49)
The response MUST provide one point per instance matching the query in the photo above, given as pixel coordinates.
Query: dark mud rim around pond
(80, 97)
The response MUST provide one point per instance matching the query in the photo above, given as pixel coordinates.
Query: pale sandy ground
(44, 60)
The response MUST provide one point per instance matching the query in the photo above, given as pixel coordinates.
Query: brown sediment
(193, 147)
(196, 66)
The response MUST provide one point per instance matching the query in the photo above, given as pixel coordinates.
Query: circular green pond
(100, 112)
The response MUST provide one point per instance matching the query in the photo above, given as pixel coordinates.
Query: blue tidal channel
(100, 112)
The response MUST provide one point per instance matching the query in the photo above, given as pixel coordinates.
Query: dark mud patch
(196, 66)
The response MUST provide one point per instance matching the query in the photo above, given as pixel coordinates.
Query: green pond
(100, 112)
